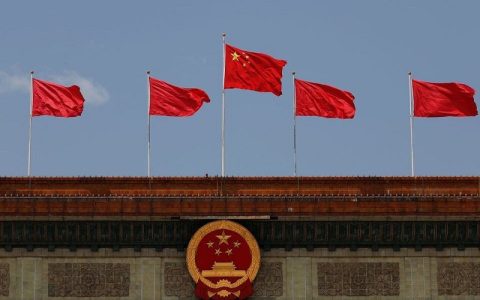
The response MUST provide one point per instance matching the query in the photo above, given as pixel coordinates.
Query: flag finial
(224, 34)
(148, 72)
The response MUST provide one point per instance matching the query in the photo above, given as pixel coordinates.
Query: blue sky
(366, 47)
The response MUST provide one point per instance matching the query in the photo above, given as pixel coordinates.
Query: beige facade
(296, 274)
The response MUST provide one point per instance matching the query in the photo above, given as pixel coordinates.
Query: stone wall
(298, 274)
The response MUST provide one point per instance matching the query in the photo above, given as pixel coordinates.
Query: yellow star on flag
(235, 56)
(223, 238)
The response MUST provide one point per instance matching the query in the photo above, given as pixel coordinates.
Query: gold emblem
(223, 268)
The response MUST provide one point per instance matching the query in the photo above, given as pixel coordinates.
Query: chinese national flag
(443, 99)
(252, 71)
(315, 99)
(51, 99)
(170, 100)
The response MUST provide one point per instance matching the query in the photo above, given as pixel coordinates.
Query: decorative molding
(88, 280)
(4, 279)
(458, 278)
(269, 281)
(358, 279)
(177, 280)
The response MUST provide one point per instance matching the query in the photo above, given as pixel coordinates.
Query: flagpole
(294, 127)
(29, 169)
(148, 125)
(223, 107)
(411, 123)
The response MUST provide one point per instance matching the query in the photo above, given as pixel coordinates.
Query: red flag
(252, 71)
(315, 99)
(51, 99)
(449, 99)
(174, 101)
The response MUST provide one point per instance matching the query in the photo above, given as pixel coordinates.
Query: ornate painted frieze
(458, 278)
(88, 280)
(268, 233)
(358, 279)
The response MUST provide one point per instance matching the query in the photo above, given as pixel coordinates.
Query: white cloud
(93, 92)
(14, 82)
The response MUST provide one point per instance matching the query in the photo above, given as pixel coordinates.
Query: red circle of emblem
(223, 259)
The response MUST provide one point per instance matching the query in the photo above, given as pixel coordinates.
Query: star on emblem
(218, 252)
(235, 56)
(210, 244)
(229, 252)
(236, 244)
(223, 238)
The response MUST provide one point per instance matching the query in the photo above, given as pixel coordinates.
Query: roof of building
(238, 186)
(239, 196)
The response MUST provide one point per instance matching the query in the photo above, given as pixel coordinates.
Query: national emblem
(220, 271)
